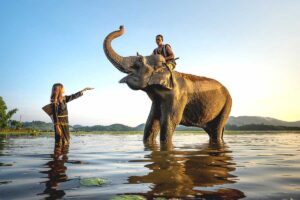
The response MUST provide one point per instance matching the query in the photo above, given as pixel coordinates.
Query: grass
(20, 132)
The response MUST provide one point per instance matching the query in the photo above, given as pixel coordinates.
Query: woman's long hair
(57, 93)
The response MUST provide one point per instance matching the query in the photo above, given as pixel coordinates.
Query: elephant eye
(141, 59)
(136, 66)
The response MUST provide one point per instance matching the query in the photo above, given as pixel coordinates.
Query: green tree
(5, 116)
(16, 124)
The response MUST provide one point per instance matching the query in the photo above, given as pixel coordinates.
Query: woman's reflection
(186, 172)
(57, 172)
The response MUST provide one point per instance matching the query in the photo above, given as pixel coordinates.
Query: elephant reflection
(183, 174)
(57, 172)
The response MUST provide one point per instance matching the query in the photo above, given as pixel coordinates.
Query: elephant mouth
(123, 80)
(131, 76)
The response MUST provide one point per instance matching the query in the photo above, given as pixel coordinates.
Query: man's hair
(159, 35)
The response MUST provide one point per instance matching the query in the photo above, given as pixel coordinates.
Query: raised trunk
(123, 64)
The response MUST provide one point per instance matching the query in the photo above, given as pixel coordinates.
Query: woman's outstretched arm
(77, 94)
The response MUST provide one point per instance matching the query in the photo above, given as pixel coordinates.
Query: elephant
(177, 98)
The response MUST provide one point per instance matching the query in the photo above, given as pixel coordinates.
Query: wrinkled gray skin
(193, 101)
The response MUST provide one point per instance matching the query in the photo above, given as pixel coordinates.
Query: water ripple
(256, 166)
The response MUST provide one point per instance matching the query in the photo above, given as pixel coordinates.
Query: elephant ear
(163, 77)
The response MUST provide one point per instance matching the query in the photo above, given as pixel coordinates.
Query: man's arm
(170, 53)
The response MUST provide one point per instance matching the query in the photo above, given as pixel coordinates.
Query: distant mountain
(113, 127)
(246, 120)
(234, 123)
(140, 127)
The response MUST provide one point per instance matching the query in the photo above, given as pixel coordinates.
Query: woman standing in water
(60, 112)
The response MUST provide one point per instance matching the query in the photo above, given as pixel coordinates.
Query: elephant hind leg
(209, 131)
(215, 131)
(216, 127)
(223, 117)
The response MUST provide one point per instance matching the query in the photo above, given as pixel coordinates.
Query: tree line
(5, 117)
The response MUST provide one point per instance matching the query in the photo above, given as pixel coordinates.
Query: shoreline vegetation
(239, 126)
(44, 126)
(117, 129)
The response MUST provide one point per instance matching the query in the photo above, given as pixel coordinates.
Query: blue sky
(252, 47)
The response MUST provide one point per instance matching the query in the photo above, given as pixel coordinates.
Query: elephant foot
(216, 140)
(150, 145)
(166, 146)
(149, 141)
(166, 140)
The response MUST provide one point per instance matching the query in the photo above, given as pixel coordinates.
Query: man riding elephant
(166, 51)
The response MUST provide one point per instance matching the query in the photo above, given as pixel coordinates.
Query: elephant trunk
(123, 64)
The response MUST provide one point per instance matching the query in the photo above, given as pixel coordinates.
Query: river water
(245, 166)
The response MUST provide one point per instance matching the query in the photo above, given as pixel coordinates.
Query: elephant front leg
(152, 125)
(167, 129)
(170, 118)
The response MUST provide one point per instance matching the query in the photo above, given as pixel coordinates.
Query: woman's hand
(87, 88)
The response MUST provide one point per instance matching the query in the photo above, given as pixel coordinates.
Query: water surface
(249, 166)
